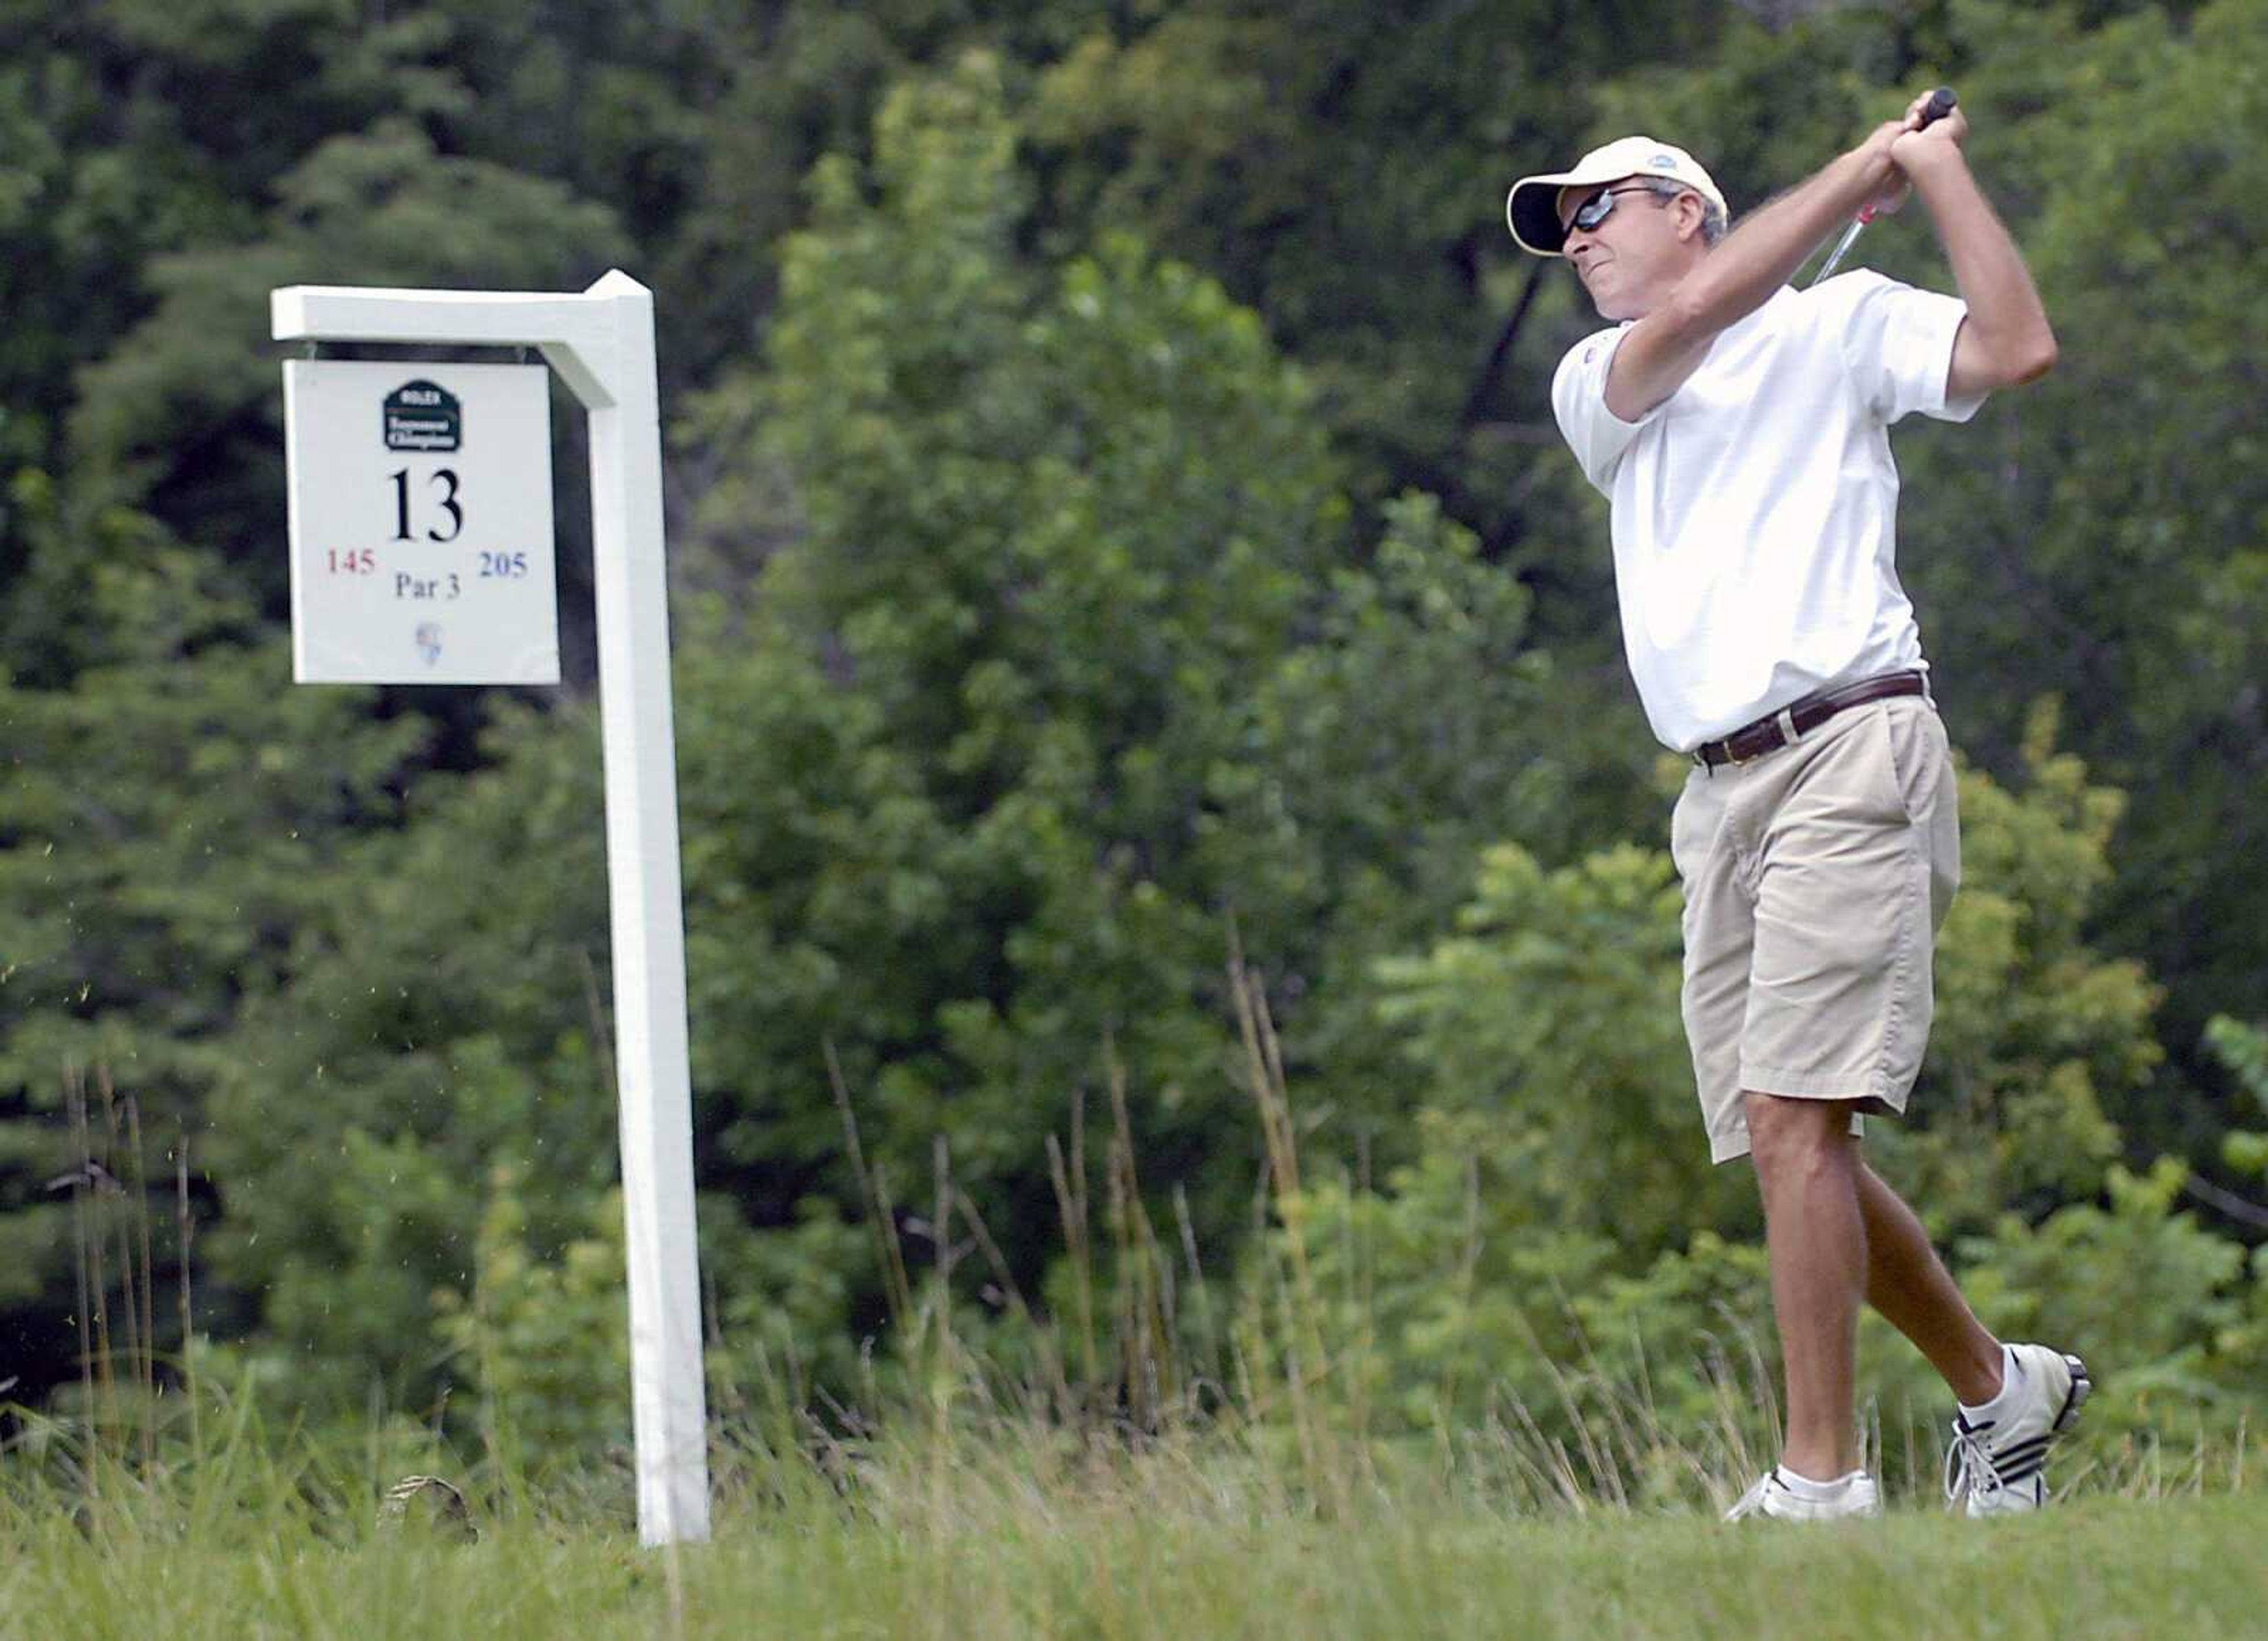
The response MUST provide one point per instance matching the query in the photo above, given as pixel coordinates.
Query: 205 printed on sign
(420, 523)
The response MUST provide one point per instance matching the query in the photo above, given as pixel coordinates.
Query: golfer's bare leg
(1807, 1168)
(1910, 1285)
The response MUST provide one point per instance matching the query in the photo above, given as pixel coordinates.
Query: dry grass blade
(897, 1287)
(1071, 1207)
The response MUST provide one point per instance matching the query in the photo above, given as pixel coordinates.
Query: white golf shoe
(1997, 1464)
(1854, 1496)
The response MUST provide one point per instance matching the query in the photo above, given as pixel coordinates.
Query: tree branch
(2226, 1201)
(1492, 371)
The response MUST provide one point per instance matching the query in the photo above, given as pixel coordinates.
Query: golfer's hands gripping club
(1936, 109)
(1933, 117)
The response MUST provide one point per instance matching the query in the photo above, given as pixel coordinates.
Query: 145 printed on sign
(420, 523)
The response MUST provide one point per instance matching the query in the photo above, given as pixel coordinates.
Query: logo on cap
(1663, 162)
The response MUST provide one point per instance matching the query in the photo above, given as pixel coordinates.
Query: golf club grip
(1941, 104)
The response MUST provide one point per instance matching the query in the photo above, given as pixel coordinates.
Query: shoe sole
(1752, 1507)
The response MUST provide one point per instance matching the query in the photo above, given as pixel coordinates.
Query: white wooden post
(601, 344)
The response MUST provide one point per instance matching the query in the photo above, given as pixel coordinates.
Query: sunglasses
(1600, 206)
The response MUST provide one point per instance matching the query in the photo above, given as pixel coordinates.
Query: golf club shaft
(1841, 245)
(1941, 104)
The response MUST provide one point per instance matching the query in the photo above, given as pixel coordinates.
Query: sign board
(420, 501)
(382, 438)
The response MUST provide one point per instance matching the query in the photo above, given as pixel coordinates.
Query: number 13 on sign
(443, 479)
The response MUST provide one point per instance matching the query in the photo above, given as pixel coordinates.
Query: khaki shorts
(1815, 878)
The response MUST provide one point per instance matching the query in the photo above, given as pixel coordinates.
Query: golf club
(1941, 104)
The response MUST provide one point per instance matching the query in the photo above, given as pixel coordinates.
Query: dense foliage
(1122, 563)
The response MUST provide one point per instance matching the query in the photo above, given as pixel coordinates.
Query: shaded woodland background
(1122, 561)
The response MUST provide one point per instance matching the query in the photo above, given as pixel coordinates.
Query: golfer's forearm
(2013, 341)
(1763, 253)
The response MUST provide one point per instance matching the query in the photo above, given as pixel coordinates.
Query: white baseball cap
(1532, 208)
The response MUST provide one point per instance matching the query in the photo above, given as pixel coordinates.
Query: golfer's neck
(1658, 290)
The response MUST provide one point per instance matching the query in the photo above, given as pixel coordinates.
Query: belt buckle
(1783, 720)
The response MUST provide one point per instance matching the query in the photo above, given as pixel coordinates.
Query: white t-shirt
(1755, 509)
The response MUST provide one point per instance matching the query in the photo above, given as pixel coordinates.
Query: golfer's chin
(1615, 303)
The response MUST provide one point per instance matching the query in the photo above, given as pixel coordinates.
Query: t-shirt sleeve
(1898, 343)
(1579, 399)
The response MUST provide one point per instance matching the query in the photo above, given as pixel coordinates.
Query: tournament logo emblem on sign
(424, 416)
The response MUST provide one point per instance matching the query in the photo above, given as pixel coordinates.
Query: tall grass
(1000, 1524)
(1256, 1399)
(1169, 1455)
(1158, 1394)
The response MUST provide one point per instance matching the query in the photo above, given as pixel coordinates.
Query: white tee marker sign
(420, 499)
(600, 343)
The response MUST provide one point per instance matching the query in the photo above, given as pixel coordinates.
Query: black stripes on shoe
(2022, 1461)
(1993, 1476)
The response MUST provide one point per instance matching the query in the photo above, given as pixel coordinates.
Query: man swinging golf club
(1740, 430)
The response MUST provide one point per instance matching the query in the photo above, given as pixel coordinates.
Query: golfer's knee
(1796, 1137)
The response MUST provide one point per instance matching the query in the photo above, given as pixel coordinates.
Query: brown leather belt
(1769, 734)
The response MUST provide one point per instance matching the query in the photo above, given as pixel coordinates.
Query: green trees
(1073, 562)
(171, 824)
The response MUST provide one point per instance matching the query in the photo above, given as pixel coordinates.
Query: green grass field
(1168, 1548)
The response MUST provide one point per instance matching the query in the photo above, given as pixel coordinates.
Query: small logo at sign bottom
(427, 638)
